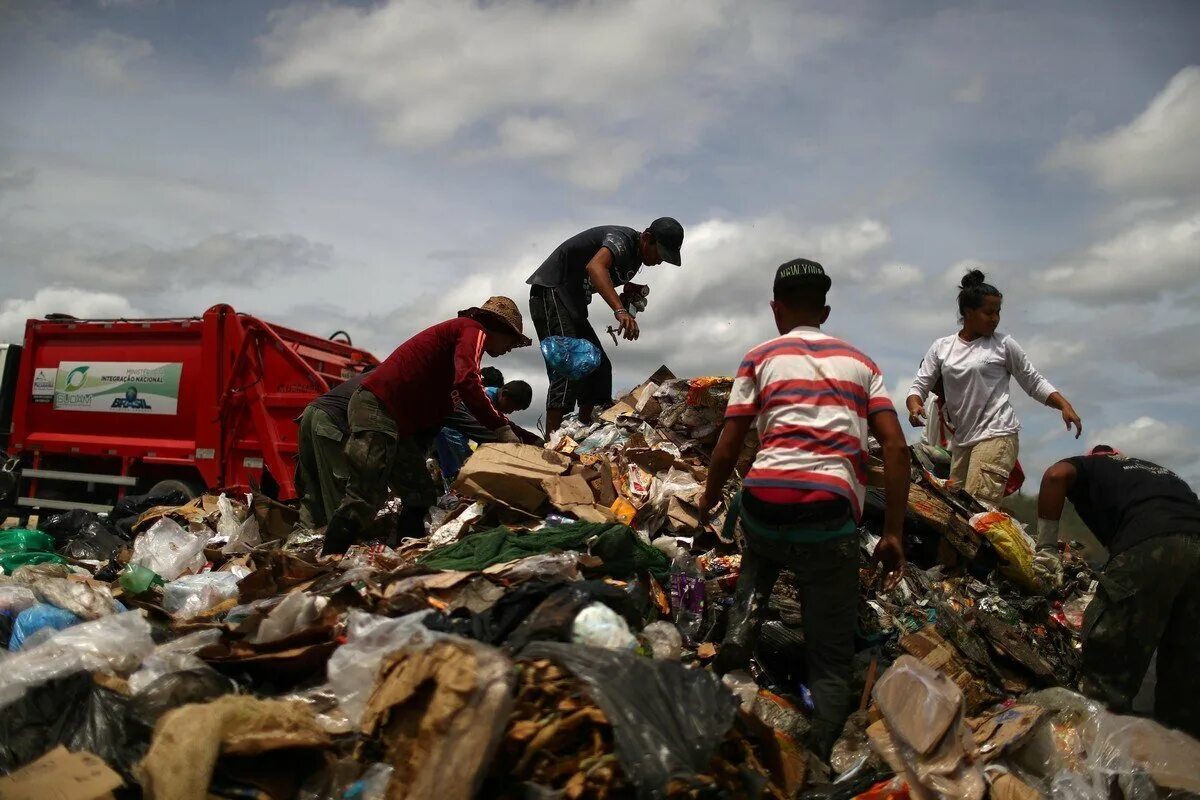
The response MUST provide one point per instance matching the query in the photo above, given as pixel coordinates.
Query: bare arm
(598, 271)
(1056, 400)
(1056, 483)
(889, 553)
(724, 459)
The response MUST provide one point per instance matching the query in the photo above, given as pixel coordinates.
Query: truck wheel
(174, 485)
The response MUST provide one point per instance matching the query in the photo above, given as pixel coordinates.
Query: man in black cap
(1148, 596)
(813, 399)
(596, 261)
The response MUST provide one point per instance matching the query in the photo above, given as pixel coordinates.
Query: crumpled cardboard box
(524, 478)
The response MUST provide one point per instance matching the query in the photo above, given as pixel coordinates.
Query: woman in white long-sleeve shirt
(975, 365)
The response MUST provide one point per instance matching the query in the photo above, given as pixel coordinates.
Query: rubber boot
(757, 579)
(340, 533)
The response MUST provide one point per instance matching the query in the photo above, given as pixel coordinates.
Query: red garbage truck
(93, 409)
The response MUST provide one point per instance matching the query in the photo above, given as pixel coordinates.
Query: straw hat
(502, 310)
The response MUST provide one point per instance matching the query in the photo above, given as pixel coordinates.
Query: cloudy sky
(377, 166)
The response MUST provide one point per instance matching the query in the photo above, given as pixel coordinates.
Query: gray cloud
(1153, 154)
(108, 59)
(232, 259)
(591, 92)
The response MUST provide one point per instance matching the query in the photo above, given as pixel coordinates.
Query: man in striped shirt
(814, 398)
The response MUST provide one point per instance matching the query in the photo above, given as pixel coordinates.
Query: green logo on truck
(75, 379)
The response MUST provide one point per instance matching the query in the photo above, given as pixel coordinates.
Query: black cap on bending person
(668, 238)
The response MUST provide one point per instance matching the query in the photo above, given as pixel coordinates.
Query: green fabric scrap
(622, 550)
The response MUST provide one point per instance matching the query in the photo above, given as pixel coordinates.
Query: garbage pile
(550, 636)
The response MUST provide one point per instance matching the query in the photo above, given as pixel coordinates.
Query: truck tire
(174, 485)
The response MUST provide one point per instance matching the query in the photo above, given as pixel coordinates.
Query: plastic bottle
(687, 595)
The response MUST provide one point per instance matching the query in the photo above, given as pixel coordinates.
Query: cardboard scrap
(926, 732)
(929, 646)
(197, 511)
(512, 475)
(441, 710)
(1001, 730)
(1007, 786)
(61, 775)
(188, 741)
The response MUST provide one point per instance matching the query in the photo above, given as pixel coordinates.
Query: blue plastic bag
(571, 358)
(34, 619)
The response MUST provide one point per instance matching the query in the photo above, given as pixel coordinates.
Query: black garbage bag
(537, 611)
(129, 508)
(74, 712)
(83, 535)
(177, 689)
(494, 625)
(553, 618)
(667, 720)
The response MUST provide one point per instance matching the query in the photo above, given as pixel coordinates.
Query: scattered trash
(552, 634)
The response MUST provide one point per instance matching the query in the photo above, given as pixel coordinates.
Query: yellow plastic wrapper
(1012, 544)
(624, 510)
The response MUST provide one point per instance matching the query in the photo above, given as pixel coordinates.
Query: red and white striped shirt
(812, 394)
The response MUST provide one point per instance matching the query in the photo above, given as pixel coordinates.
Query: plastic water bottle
(687, 595)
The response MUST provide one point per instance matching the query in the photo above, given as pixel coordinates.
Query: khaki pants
(983, 468)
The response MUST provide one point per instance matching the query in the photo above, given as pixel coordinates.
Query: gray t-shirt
(566, 268)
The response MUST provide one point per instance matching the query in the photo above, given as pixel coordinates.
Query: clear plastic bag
(1080, 750)
(177, 655)
(664, 640)
(571, 358)
(116, 643)
(598, 625)
(295, 613)
(169, 550)
(85, 600)
(371, 637)
(15, 598)
(236, 527)
(191, 595)
(545, 566)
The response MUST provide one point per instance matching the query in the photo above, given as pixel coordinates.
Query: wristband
(1047, 531)
(621, 311)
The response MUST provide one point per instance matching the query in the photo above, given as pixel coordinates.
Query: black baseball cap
(802, 273)
(668, 237)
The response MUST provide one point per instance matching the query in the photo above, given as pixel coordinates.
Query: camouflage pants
(378, 457)
(1149, 598)
(320, 468)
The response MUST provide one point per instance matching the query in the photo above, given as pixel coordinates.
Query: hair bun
(973, 277)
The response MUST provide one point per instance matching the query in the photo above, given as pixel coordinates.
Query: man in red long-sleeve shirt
(400, 407)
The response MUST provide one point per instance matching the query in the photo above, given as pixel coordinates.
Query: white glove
(1048, 569)
(505, 435)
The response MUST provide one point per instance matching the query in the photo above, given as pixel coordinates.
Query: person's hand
(1071, 418)
(506, 435)
(889, 560)
(916, 412)
(707, 503)
(1048, 569)
(629, 326)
